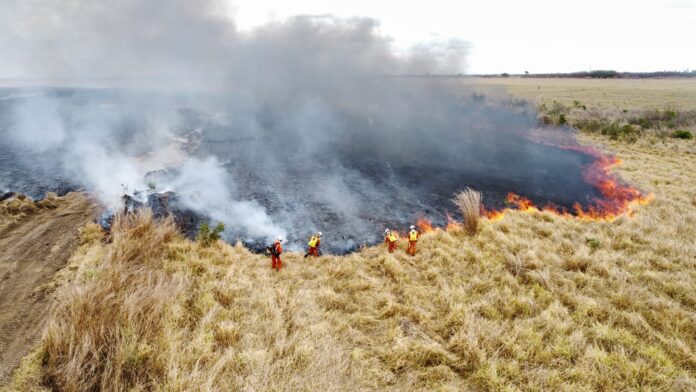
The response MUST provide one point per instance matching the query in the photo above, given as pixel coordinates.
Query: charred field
(345, 166)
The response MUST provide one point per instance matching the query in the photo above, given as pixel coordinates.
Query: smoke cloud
(294, 127)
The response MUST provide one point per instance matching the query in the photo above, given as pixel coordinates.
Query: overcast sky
(103, 37)
(517, 36)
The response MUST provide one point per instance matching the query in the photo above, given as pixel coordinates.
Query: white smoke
(204, 186)
(178, 48)
(40, 124)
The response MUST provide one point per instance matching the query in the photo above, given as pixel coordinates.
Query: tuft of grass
(469, 204)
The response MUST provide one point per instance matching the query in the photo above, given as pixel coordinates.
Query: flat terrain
(631, 94)
(35, 242)
(532, 302)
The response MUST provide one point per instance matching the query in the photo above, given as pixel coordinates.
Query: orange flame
(452, 224)
(424, 225)
(617, 198)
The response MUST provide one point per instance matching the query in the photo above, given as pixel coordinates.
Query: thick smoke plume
(293, 127)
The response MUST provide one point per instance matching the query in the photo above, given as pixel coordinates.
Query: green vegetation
(681, 134)
(592, 243)
(207, 237)
(625, 132)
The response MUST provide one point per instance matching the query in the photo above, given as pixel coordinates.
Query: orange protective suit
(390, 240)
(313, 250)
(276, 263)
(412, 239)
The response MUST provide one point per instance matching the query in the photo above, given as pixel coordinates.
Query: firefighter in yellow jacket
(390, 239)
(412, 239)
(313, 245)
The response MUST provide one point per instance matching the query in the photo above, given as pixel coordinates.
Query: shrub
(682, 134)
(626, 132)
(642, 122)
(469, 203)
(592, 243)
(562, 119)
(207, 237)
(546, 120)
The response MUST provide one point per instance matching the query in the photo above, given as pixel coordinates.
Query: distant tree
(602, 74)
(505, 74)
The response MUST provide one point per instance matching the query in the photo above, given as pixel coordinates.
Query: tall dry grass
(469, 203)
(107, 331)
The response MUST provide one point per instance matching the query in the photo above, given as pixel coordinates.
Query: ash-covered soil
(344, 165)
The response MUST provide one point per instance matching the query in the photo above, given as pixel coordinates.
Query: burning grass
(529, 303)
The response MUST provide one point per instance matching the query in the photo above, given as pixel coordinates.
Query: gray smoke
(294, 127)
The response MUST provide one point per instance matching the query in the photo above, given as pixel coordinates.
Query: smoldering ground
(288, 129)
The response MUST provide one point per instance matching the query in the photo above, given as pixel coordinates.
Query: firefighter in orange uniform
(412, 239)
(313, 245)
(276, 249)
(390, 239)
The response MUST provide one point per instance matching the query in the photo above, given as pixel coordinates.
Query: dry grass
(105, 332)
(625, 109)
(17, 208)
(527, 304)
(605, 94)
(469, 204)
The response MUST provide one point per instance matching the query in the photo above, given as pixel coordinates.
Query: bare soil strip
(35, 243)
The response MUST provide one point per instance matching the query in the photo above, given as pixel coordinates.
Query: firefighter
(412, 239)
(313, 245)
(276, 249)
(390, 239)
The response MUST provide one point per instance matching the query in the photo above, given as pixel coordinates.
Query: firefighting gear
(313, 245)
(313, 241)
(390, 239)
(276, 250)
(412, 239)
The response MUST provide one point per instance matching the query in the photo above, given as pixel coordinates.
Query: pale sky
(517, 36)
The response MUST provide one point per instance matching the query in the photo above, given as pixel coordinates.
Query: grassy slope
(524, 305)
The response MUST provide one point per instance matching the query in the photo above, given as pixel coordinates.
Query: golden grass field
(645, 94)
(531, 302)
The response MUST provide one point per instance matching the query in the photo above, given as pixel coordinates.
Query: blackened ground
(347, 163)
(18, 175)
(374, 193)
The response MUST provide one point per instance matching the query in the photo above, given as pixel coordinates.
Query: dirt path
(34, 244)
